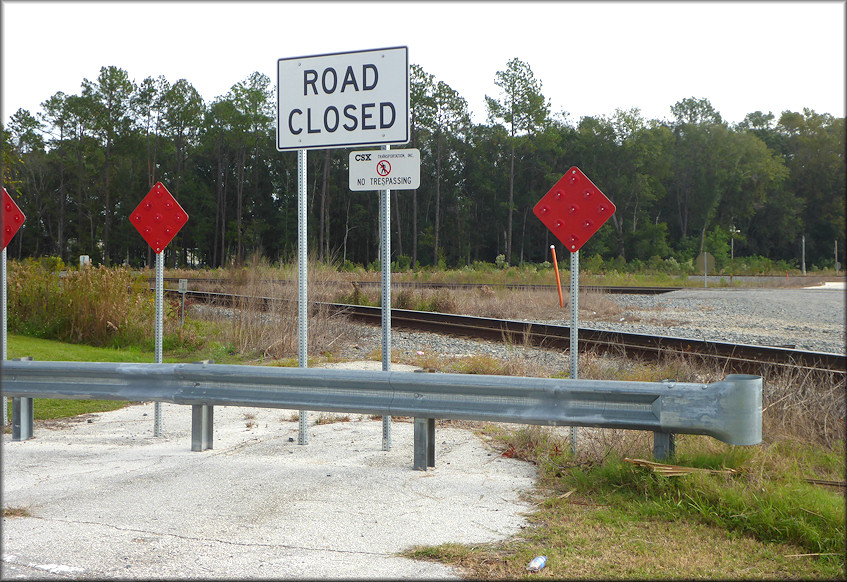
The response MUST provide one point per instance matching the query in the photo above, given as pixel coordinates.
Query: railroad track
(736, 358)
(616, 289)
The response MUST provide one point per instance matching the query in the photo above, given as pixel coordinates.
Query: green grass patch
(55, 351)
(764, 521)
(20, 346)
(779, 508)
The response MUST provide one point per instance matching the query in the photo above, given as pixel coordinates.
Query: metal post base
(202, 419)
(424, 443)
(664, 445)
(22, 418)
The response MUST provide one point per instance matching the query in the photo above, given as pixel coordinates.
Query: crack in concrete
(216, 540)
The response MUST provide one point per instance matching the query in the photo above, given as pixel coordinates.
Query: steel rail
(740, 358)
(613, 289)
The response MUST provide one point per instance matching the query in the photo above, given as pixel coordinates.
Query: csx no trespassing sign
(385, 170)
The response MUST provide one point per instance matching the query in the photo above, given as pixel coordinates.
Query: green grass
(781, 508)
(55, 351)
(764, 521)
(20, 346)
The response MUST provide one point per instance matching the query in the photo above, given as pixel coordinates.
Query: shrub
(404, 263)
(98, 306)
(405, 299)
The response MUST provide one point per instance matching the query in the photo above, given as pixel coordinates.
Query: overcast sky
(591, 57)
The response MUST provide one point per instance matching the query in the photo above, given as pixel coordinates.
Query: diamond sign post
(574, 209)
(11, 220)
(158, 218)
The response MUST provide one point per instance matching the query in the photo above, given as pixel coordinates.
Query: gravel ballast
(806, 319)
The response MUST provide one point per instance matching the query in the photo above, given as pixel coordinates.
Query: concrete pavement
(106, 499)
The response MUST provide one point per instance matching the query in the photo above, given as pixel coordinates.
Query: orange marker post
(558, 280)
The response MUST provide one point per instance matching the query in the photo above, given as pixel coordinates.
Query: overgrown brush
(804, 405)
(269, 329)
(100, 306)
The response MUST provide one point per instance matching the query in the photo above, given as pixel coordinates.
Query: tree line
(80, 165)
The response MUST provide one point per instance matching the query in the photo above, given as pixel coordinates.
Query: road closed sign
(343, 99)
(385, 170)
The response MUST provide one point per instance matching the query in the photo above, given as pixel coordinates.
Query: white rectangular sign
(385, 170)
(343, 99)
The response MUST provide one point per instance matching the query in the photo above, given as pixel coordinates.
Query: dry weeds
(259, 324)
(797, 403)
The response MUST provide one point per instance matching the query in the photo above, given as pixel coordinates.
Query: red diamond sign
(574, 209)
(158, 218)
(13, 218)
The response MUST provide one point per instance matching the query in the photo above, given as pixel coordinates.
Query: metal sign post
(385, 259)
(706, 262)
(158, 218)
(5, 354)
(574, 209)
(302, 294)
(574, 332)
(339, 100)
(11, 219)
(160, 281)
(182, 290)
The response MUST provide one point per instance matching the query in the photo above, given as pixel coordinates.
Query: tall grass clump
(804, 405)
(263, 319)
(99, 306)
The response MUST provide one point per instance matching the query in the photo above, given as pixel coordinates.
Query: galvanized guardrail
(730, 410)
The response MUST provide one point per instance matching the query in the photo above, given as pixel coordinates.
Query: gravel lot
(810, 319)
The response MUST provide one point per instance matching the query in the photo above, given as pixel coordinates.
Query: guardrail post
(202, 419)
(424, 455)
(22, 418)
(664, 445)
(23, 414)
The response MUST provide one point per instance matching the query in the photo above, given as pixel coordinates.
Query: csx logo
(363, 157)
